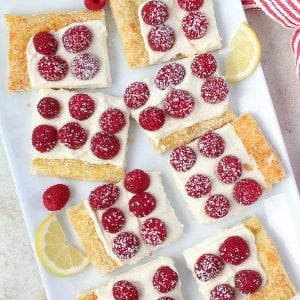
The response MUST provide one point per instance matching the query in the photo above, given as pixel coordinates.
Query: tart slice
(122, 223)
(58, 50)
(157, 31)
(240, 263)
(79, 135)
(183, 100)
(225, 170)
(157, 279)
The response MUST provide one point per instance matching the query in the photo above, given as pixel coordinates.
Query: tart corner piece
(22, 28)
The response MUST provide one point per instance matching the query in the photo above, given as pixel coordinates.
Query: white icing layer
(97, 48)
(91, 125)
(211, 245)
(209, 42)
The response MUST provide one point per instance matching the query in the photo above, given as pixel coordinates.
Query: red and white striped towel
(286, 13)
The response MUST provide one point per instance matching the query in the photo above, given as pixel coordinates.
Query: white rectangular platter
(279, 210)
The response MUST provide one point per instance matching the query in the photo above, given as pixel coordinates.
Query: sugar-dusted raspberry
(48, 108)
(85, 66)
(72, 135)
(105, 145)
(247, 191)
(247, 281)
(211, 145)
(77, 38)
(229, 169)
(179, 104)
(142, 204)
(165, 279)
(136, 95)
(94, 4)
(44, 138)
(152, 118)
(155, 13)
(190, 5)
(136, 181)
(169, 75)
(194, 25)
(222, 292)
(52, 68)
(154, 231)
(113, 220)
(198, 185)
(124, 290)
(104, 196)
(56, 197)
(214, 90)
(182, 158)
(208, 266)
(217, 206)
(234, 250)
(45, 43)
(161, 38)
(126, 245)
(112, 120)
(204, 65)
(81, 106)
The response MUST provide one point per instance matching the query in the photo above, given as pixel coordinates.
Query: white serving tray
(279, 210)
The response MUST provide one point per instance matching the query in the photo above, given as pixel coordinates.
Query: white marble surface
(19, 278)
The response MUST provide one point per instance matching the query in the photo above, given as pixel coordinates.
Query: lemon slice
(54, 254)
(245, 54)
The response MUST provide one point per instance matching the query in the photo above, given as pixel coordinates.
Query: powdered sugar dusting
(222, 292)
(182, 158)
(211, 144)
(154, 231)
(85, 66)
(72, 135)
(136, 95)
(52, 68)
(155, 13)
(217, 206)
(194, 25)
(161, 38)
(198, 185)
(113, 220)
(165, 279)
(229, 169)
(126, 245)
(204, 65)
(214, 90)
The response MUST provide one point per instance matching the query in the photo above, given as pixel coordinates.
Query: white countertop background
(19, 278)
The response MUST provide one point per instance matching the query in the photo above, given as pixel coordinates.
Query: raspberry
(52, 68)
(154, 231)
(113, 220)
(56, 197)
(214, 90)
(124, 290)
(234, 250)
(45, 43)
(44, 138)
(208, 266)
(104, 196)
(81, 106)
(211, 145)
(190, 5)
(105, 145)
(142, 204)
(204, 65)
(229, 169)
(94, 4)
(217, 206)
(165, 279)
(85, 66)
(179, 104)
(136, 95)
(222, 292)
(136, 181)
(247, 191)
(198, 186)
(248, 281)
(155, 13)
(182, 158)
(161, 38)
(169, 75)
(126, 245)
(152, 118)
(112, 120)
(77, 38)
(48, 108)
(194, 25)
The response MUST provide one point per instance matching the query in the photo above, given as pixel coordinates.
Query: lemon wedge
(53, 252)
(245, 54)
